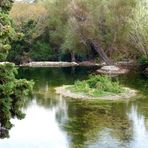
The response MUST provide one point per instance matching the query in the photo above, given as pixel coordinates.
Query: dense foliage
(12, 90)
(82, 30)
(97, 86)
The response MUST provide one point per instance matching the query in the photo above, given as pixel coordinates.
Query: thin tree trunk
(98, 49)
(73, 57)
(101, 52)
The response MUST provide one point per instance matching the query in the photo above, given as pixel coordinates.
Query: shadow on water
(54, 121)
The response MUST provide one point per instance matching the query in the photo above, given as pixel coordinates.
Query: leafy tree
(12, 90)
(111, 30)
(31, 21)
(138, 33)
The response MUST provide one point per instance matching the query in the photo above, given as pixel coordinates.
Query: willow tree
(138, 34)
(102, 25)
(109, 30)
(12, 90)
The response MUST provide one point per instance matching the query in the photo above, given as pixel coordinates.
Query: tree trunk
(73, 57)
(101, 52)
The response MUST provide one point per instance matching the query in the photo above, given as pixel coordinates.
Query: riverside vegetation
(68, 30)
(12, 90)
(97, 86)
(79, 30)
(72, 30)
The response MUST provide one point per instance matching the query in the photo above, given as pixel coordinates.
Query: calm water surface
(55, 122)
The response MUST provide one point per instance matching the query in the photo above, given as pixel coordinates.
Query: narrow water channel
(55, 122)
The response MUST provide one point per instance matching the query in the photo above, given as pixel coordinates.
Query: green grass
(97, 86)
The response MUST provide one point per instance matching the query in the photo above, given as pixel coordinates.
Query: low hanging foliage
(12, 90)
(12, 94)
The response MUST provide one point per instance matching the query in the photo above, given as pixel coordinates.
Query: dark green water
(55, 122)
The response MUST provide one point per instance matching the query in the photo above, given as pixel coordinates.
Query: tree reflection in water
(87, 120)
(82, 123)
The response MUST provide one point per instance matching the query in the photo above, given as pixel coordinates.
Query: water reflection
(137, 81)
(140, 128)
(89, 123)
(38, 129)
(55, 122)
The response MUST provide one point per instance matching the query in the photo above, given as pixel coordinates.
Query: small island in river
(96, 87)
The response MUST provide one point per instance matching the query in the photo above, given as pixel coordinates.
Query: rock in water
(112, 70)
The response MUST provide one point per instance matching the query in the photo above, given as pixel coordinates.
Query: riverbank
(49, 64)
(3, 63)
(59, 64)
(66, 92)
(123, 64)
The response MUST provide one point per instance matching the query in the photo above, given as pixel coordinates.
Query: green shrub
(41, 51)
(12, 90)
(143, 60)
(97, 86)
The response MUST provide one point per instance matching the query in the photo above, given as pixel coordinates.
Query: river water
(55, 122)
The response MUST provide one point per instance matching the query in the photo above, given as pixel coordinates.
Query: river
(55, 122)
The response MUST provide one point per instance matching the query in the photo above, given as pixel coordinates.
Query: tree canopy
(84, 30)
